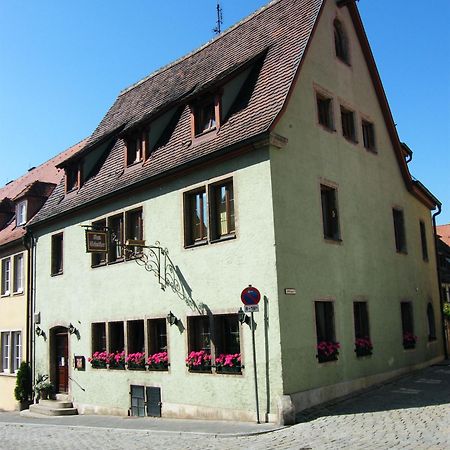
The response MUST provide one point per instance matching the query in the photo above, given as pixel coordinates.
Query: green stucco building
(268, 157)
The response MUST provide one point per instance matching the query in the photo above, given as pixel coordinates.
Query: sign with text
(251, 308)
(96, 241)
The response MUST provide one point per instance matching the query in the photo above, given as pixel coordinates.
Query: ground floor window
(409, 339)
(227, 343)
(431, 323)
(327, 346)
(11, 351)
(158, 358)
(136, 344)
(363, 344)
(116, 345)
(199, 344)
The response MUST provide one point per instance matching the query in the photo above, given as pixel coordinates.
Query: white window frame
(10, 351)
(21, 213)
(18, 271)
(5, 280)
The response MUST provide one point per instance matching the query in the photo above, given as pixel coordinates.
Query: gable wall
(365, 265)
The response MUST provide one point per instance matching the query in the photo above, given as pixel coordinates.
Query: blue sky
(63, 64)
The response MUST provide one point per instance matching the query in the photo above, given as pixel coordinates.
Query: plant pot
(98, 365)
(201, 368)
(136, 366)
(25, 404)
(360, 352)
(160, 368)
(43, 395)
(409, 345)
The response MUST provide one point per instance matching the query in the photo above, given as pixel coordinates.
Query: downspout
(438, 267)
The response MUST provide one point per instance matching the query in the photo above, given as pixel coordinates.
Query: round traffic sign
(250, 296)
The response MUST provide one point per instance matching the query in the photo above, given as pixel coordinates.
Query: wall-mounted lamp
(72, 329)
(40, 332)
(171, 318)
(242, 317)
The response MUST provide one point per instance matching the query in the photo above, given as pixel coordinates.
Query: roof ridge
(193, 52)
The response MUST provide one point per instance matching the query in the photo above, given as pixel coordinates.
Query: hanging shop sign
(96, 241)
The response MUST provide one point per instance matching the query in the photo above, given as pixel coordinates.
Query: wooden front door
(62, 363)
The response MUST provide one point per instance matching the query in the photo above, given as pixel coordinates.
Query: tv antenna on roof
(219, 22)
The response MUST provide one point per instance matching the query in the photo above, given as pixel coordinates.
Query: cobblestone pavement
(410, 413)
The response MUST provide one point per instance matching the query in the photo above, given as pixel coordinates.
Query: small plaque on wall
(290, 291)
(79, 362)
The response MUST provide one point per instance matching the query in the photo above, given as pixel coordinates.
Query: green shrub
(22, 391)
(446, 310)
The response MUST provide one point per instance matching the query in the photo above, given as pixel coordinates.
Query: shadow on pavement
(426, 387)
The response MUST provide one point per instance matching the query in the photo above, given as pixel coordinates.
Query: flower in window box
(363, 346)
(136, 360)
(409, 340)
(117, 360)
(199, 361)
(229, 363)
(327, 351)
(158, 361)
(99, 360)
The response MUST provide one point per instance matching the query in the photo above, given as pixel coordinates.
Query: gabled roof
(273, 41)
(38, 181)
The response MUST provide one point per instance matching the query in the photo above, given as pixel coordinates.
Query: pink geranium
(228, 360)
(328, 349)
(158, 360)
(363, 344)
(198, 359)
(136, 359)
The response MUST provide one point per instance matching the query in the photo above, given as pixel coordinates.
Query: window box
(327, 351)
(158, 361)
(409, 341)
(135, 361)
(99, 360)
(117, 360)
(363, 347)
(199, 361)
(230, 363)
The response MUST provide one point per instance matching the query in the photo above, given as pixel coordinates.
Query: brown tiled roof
(38, 182)
(278, 34)
(444, 232)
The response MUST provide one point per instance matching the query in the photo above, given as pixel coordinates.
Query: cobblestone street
(411, 413)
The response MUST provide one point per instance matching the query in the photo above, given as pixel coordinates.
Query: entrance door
(62, 363)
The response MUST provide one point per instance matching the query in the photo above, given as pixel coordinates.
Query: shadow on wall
(427, 387)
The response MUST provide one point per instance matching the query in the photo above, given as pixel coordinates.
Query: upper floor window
(21, 212)
(222, 206)
(72, 177)
(134, 229)
(325, 111)
(330, 212)
(423, 239)
(348, 124)
(206, 114)
(57, 254)
(115, 225)
(98, 258)
(18, 273)
(6, 276)
(341, 42)
(135, 148)
(368, 133)
(220, 223)
(399, 230)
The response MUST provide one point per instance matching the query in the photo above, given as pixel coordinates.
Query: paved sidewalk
(412, 412)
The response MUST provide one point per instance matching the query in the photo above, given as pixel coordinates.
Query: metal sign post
(250, 297)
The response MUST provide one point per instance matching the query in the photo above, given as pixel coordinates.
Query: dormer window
(206, 115)
(135, 149)
(341, 42)
(72, 178)
(21, 213)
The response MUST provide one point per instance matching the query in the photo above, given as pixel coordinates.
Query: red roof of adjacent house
(444, 232)
(37, 181)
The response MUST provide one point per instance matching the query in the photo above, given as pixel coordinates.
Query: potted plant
(327, 351)
(158, 361)
(199, 361)
(409, 340)
(136, 361)
(43, 387)
(363, 347)
(117, 360)
(22, 391)
(229, 363)
(99, 360)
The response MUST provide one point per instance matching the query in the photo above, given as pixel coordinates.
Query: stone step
(51, 411)
(63, 397)
(56, 404)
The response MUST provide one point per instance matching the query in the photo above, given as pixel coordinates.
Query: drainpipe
(438, 267)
